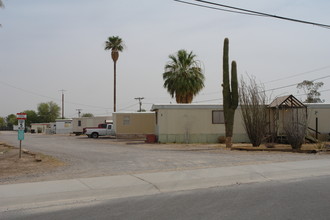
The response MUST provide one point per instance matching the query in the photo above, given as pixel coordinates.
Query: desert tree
(31, 117)
(11, 120)
(87, 115)
(183, 76)
(295, 129)
(311, 90)
(48, 111)
(253, 103)
(2, 122)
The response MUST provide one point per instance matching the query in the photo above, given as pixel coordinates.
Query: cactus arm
(234, 86)
(225, 85)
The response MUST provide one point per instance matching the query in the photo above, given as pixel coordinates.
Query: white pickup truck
(101, 130)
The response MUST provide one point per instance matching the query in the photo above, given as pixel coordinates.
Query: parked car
(105, 129)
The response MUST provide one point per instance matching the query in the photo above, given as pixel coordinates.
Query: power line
(277, 88)
(254, 13)
(51, 98)
(140, 102)
(209, 100)
(219, 9)
(27, 91)
(298, 74)
(128, 107)
(275, 80)
(282, 87)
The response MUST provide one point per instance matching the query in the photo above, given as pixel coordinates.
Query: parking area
(85, 157)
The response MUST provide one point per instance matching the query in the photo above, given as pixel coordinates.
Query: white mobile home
(194, 123)
(204, 123)
(63, 126)
(79, 123)
(319, 120)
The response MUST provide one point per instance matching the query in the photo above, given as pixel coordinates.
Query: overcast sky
(47, 46)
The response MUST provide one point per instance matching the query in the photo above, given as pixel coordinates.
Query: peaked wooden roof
(288, 101)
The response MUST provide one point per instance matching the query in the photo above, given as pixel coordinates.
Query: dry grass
(30, 163)
(306, 148)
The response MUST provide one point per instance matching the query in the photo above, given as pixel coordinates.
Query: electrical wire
(298, 74)
(48, 97)
(219, 9)
(128, 107)
(282, 87)
(27, 91)
(251, 12)
(210, 100)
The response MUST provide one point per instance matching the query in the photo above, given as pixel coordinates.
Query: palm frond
(183, 76)
(114, 43)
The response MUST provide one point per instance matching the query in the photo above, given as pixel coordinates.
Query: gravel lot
(102, 157)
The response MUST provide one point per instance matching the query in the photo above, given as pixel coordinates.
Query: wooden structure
(284, 109)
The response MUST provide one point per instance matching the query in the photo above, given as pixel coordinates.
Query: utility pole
(140, 102)
(62, 90)
(79, 112)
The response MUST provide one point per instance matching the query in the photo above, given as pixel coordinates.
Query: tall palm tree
(1, 6)
(183, 76)
(116, 45)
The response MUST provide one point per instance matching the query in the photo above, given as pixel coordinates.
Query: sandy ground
(30, 163)
(115, 157)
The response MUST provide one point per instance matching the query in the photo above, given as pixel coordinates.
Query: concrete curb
(52, 193)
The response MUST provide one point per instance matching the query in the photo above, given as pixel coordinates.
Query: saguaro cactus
(229, 92)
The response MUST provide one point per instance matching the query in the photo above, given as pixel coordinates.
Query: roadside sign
(21, 125)
(21, 117)
(20, 135)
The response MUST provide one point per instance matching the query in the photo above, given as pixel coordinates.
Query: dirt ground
(30, 163)
(33, 164)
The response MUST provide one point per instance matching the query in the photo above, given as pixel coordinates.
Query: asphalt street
(306, 198)
(166, 182)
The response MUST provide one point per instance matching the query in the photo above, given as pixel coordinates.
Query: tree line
(46, 112)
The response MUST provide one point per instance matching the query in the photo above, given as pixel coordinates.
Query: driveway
(103, 157)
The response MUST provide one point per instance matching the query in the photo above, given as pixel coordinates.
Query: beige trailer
(194, 123)
(134, 124)
(203, 123)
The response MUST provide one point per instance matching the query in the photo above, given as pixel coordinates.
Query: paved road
(286, 199)
(102, 157)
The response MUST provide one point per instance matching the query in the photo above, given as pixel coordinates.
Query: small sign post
(21, 117)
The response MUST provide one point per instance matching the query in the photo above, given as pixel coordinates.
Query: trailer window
(218, 117)
(126, 120)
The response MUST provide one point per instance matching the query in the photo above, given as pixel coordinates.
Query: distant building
(45, 128)
(63, 126)
(79, 123)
